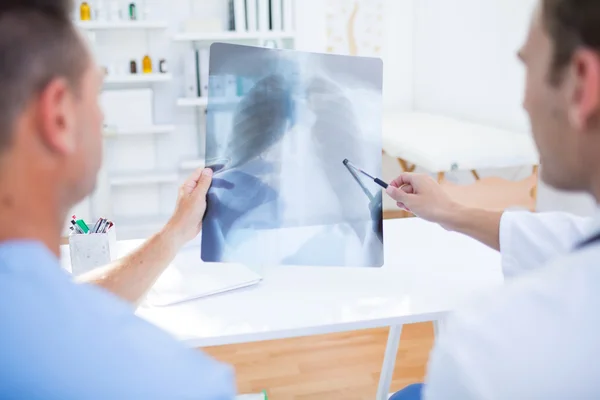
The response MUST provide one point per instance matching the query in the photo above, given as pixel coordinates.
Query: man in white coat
(537, 337)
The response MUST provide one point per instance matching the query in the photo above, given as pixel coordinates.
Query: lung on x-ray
(279, 125)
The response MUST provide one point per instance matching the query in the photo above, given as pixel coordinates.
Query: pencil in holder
(91, 251)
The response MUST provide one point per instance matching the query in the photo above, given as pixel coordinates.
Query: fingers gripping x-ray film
(280, 192)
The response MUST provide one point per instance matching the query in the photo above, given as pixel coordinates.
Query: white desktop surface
(428, 272)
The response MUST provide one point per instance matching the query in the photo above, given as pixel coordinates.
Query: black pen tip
(345, 161)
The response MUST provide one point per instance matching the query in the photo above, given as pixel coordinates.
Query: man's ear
(56, 116)
(584, 102)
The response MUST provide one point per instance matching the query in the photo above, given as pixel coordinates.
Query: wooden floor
(329, 367)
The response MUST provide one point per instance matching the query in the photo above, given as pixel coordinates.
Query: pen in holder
(91, 251)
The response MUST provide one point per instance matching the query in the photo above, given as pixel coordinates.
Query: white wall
(398, 54)
(465, 59)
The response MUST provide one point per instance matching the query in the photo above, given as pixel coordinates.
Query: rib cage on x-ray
(288, 105)
(260, 120)
(334, 113)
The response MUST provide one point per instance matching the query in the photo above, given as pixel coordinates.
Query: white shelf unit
(164, 159)
(231, 36)
(203, 102)
(137, 78)
(145, 178)
(142, 130)
(192, 102)
(121, 25)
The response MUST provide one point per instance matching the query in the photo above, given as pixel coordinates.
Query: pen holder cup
(91, 251)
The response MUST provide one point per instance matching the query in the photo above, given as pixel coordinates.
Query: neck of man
(29, 204)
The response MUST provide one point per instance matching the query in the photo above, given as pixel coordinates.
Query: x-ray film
(279, 125)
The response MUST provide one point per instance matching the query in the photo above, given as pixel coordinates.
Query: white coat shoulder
(529, 240)
(536, 338)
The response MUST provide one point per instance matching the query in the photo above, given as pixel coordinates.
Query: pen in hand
(378, 181)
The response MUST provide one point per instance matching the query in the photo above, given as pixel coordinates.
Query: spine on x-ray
(263, 15)
(251, 11)
(276, 17)
(239, 7)
(288, 15)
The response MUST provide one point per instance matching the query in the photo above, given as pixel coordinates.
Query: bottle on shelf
(85, 12)
(162, 66)
(147, 65)
(132, 12)
(133, 67)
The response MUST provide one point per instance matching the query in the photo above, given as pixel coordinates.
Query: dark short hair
(571, 24)
(38, 43)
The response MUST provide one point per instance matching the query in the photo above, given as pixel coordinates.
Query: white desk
(427, 273)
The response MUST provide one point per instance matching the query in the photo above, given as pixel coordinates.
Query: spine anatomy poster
(355, 27)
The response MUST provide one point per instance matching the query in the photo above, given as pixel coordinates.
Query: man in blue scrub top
(61, 339)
